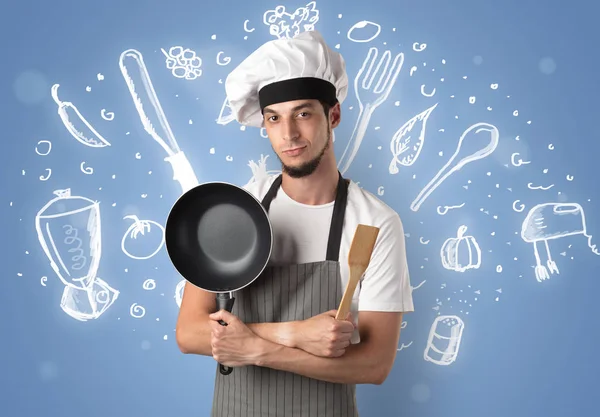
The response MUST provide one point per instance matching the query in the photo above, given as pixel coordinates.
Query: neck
(316, 188)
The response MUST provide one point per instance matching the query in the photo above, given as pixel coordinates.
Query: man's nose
(289, 130)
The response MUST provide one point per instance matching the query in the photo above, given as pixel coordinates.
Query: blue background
(528, 348)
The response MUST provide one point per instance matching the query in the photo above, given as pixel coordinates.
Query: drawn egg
(364, 31)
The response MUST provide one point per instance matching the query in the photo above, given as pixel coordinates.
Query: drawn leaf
(408, 140)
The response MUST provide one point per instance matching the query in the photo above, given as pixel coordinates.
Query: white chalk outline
(98, 293)
(49, 147)
(449, 353)
(533, 230)
(370, 96)
(49, 243)
(449, 252)
(63, 108)
(361, 25)
(48, 175)
(451, 166)
(402, 140)
(442, 211)
(225, 61)
(141, 227)
(179, 292)
(86, 170)
(131, 62)
(421, 46)
(282, 29)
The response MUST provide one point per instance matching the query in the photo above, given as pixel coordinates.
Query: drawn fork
(370, 97)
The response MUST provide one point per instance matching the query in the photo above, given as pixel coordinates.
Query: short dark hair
(326, 107)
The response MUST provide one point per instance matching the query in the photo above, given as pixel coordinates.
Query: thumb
(224, 315)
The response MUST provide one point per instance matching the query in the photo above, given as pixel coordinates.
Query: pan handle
(224, 302)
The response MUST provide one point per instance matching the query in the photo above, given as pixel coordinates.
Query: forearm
(281, 333)
(355, 366)
(194, 337)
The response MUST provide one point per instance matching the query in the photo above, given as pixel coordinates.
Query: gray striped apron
(280, 294)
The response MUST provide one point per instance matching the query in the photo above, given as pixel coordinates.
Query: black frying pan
(219, 238)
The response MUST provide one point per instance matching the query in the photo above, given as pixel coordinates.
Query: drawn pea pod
(82, 131)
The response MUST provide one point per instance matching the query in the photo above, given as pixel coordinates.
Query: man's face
(300, 134)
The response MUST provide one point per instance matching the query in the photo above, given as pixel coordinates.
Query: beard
(308, 167)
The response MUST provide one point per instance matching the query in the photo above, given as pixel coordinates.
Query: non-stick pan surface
(218, 237)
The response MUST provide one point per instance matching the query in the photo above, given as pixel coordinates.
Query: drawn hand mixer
(550, 221)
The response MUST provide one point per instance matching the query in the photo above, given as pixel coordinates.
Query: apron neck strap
(337, 220)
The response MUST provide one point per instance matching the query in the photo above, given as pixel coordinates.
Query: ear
(335, 115)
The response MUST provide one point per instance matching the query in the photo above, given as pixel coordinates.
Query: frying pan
(219, 238)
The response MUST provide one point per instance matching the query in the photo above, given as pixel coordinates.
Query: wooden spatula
(358, 260)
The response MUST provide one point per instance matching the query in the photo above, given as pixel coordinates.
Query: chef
(291, 357)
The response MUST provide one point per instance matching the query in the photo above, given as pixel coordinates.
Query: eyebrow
(299, 107)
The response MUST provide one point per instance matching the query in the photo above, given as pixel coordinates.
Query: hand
(323, 335)
(235, 344)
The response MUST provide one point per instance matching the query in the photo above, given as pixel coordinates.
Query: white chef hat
(302, 67)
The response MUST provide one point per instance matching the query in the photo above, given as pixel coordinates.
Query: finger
(350, 319)
(224, 315)
(346, 327)
(338, 352)
(214, 325)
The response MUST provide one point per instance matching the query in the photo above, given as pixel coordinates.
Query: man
(289, 354)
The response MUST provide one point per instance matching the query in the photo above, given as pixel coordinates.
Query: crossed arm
(273, 345)
(367, 362)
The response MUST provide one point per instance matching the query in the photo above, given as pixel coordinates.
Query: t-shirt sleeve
(386, 284)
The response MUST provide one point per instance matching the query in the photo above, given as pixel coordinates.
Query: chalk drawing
(549, 221)
(370, 96)
(287, 25)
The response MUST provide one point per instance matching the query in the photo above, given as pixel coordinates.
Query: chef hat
(303, 67)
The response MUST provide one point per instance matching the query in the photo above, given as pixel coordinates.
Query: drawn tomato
(153, 237)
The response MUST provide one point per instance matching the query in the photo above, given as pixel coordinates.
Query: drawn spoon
(482, 136)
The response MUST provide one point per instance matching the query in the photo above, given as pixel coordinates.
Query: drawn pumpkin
(461, 252)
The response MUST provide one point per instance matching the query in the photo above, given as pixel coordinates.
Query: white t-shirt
(301, 233)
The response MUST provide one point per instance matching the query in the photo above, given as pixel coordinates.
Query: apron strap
(337, 221)
(270, 195)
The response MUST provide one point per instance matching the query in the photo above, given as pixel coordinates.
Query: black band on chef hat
(304, 88)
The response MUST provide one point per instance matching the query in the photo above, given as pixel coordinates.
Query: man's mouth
(294, 151)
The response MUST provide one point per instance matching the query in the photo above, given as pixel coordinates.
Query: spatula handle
(356, 273)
